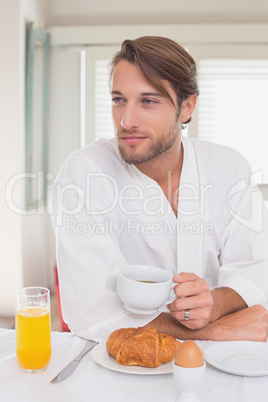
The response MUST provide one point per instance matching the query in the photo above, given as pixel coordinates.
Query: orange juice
(33, 341)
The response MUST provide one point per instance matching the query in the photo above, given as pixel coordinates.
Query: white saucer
(239, 357)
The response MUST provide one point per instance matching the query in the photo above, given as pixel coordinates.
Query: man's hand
(249, 324)
(203, 305)
(217, 315)
(193, 294)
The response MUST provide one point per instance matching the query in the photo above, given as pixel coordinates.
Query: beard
(132, 155)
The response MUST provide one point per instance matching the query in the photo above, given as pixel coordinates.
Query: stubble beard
(154, 149)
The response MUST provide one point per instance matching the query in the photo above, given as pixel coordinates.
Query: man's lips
(134, 139)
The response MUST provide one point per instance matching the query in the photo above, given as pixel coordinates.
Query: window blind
(102, 113)
(233, 106)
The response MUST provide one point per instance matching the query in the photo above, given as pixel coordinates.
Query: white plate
(239, 357)
(102, 357)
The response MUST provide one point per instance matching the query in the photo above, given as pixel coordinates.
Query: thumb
(178, 279)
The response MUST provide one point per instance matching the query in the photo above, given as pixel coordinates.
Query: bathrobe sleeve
(244, 243)
(234, 252)
(88, 256)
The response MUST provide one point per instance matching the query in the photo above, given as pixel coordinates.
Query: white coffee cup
(143, 288)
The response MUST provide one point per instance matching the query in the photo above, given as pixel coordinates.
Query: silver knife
(71, 366)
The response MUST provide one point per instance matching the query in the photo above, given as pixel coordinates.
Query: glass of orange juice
(33, 334)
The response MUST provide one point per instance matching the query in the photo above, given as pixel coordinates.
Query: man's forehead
(124, 69)
(126, 73)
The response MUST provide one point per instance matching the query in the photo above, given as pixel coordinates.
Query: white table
(91, 382)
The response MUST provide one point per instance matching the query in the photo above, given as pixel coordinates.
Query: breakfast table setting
(129, 364)
(96, 380)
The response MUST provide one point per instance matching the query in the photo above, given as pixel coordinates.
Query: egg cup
(188, 379)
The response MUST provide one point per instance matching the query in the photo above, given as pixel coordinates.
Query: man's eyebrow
(152, 94)
(116, 93)
(142, 94)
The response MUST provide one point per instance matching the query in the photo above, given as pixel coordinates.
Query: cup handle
(164, 308)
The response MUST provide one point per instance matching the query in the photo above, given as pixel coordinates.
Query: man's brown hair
(160, 59)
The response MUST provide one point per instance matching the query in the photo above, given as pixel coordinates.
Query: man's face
(146, 122)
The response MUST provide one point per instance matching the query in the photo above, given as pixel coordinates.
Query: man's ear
(187, 108)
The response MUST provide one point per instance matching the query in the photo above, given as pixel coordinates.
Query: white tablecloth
(91, 382)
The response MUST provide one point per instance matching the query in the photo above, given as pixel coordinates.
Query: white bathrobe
(107, 214)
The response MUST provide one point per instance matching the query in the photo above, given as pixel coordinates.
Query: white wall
(10, 152)
(14, 254)
(110, 12)
(63, 138)
(34, 227)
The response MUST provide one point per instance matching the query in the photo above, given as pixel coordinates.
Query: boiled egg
(189, 355)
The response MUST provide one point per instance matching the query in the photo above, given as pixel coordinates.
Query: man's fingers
(191, 288)
(191, 315)
(185, 277)
(200, 301)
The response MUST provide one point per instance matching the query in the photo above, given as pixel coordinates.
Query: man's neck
(166, 171)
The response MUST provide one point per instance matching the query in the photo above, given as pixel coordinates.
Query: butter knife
(72, 366)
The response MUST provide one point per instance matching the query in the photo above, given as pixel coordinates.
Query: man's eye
(117, 100)
(148, 101)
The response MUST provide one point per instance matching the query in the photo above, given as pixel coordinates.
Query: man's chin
(132, 158)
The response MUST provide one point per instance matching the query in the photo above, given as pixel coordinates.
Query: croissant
(141, 347)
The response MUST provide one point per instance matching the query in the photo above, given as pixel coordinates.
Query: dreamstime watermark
(16, 188)
(244, 203)
(131, 199)
(135, 227)
(250, 211)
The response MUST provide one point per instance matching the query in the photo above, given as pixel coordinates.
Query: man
(153, 197)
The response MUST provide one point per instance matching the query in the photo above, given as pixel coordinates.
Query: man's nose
(131, 118)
